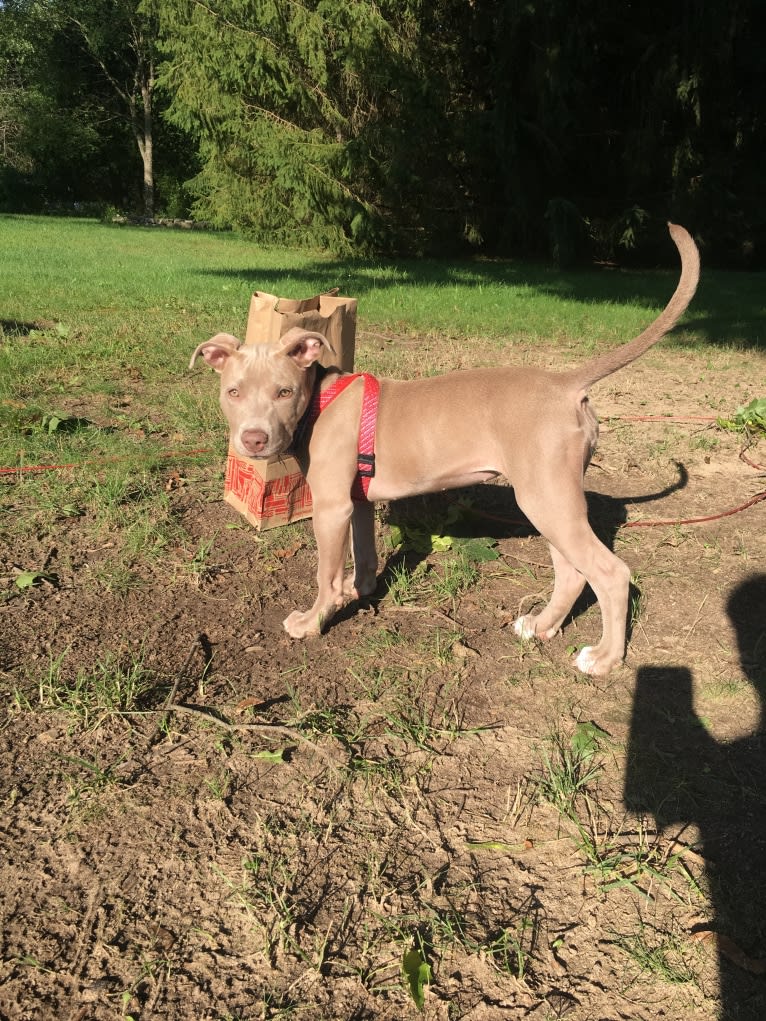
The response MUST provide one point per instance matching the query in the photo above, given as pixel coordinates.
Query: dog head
(265, 388)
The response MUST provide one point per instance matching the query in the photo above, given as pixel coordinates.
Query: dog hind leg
(563, 521)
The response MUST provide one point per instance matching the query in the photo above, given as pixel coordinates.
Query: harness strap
(366, 445)
(366, 457)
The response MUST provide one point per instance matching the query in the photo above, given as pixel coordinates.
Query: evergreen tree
(316, 120)
(573, 126)
(78, 112)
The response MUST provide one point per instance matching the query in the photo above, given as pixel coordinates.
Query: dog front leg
(331, 529)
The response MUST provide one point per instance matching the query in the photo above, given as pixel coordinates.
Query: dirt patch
(418, 778)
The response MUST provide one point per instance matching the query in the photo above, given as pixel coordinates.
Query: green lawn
(98, 321)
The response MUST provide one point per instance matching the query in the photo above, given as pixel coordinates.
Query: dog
(534, 427)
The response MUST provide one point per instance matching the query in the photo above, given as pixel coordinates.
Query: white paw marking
(524, 627)
(586, 661)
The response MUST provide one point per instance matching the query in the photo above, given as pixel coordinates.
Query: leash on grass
(758, 498)
(661, 522)
(21, 469)
(666, 523)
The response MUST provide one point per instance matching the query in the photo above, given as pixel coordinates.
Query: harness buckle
(366, 465)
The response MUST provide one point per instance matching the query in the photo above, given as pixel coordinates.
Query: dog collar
(320, 399)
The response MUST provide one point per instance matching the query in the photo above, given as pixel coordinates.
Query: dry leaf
(175, 481)
(289, 551)
(247, 703)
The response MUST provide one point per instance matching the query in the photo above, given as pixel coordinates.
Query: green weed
(220, 785)
(89, 778)
(750, 418)
(658, 953)
(457, 574)
(404, 584)
(636, 601)
(116, 685)
(199, 568)
(571, 767)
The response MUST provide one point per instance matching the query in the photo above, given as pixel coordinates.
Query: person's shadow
(681, 774)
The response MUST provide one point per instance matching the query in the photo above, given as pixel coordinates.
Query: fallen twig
(261, 728)
(423, 609)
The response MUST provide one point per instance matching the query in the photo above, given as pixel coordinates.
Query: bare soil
(273, 824)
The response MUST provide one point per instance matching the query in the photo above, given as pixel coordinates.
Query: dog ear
(304, 346)
(216, 351)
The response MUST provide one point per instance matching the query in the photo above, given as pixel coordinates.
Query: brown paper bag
(327, 314)
(274, 492)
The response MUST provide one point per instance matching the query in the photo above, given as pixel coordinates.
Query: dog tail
(605, 364)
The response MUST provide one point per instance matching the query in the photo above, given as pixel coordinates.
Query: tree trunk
(147, 151)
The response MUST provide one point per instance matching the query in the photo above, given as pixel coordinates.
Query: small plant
(641, 869)
(458, 573)
(199, 567)
(636, 604)
(220, 785)
(571, 767)
(435, 534)
(750, 418)
(660, 953)
(267, 895)
(510, 949)
(29, 579)
(440, 646)
(115, 686)
(417, 972)
(89, 778)
(402, 586)
(704, 442)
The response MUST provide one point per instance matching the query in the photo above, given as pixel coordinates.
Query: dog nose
(254, 440)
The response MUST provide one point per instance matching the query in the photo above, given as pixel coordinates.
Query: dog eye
(232, 391)
(286, 391)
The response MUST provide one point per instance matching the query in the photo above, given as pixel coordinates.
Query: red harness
(366, 446)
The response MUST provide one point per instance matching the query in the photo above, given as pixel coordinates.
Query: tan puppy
(536, 428)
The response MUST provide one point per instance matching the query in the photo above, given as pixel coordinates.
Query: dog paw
(352, 591)
(358, 585)
(301, 625)
(524, 627)
(590, 662)
(585, 660)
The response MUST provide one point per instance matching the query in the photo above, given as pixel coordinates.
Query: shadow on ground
(680, 774)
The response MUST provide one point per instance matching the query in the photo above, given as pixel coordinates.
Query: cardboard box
(274, 492)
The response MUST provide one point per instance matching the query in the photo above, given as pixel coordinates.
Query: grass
(117, 685)
(573, 767)
(658, 953)
(97, 324)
